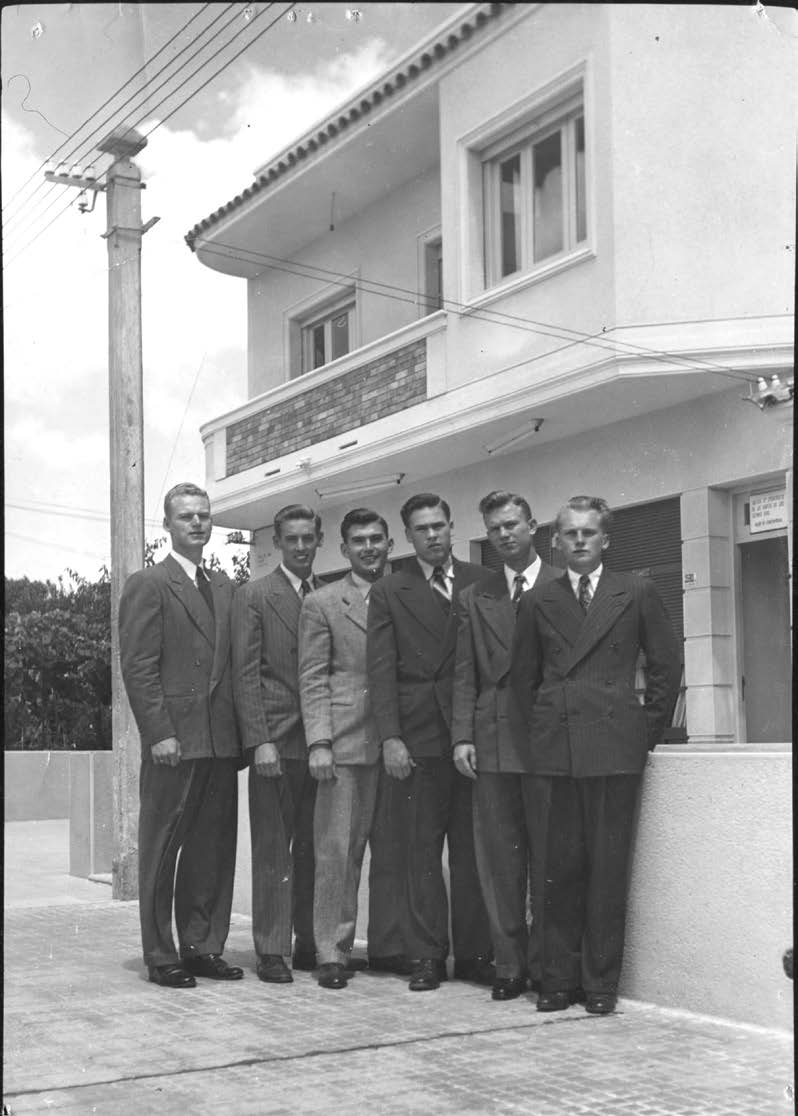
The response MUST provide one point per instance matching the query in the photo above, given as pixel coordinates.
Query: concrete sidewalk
(85, 1032)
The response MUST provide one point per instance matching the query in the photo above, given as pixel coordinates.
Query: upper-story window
(328, 335)
(535, 207)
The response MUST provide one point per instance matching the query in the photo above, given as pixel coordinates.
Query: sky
(60, 64)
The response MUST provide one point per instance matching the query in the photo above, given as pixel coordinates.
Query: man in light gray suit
(344, 754)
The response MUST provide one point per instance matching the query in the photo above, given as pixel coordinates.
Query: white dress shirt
(296, 582)
(594, 580)
(530, 576)
(190, 567)
(448, 574)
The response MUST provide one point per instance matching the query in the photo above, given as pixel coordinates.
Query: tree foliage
(57, 670)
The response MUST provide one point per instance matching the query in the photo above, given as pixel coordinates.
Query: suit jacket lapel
(189, 597)
(284, 600)
(222, 646)
(610, 599)
(561, 608)
(493, 603)
(415, 594)
(354, 603)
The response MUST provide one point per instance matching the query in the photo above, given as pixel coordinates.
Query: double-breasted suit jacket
(485, 712)
(574, 675)
(175, 659)
(411, 647)
(266, 687)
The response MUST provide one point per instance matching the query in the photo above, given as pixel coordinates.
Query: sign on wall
(768, 511)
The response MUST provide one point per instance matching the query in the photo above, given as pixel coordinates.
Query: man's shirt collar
(361, 583)
(186, 564)
(530, 575)
(594, 578)
(296, 582)
(428, 570)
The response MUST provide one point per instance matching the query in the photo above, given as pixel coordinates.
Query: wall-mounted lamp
(767, 395)
(370, 485)
(532, 426)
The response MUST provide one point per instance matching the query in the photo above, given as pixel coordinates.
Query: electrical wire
(572, 336)
(180, 427)
(70, 156)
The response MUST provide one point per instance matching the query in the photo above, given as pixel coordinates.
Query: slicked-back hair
(423, 500)
(584, 504)
(500, 499)
(361, 517)
(296, 511)
(185, 488)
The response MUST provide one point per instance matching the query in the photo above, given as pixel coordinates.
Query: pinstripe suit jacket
(573, 675)
(411, 644)
(332, 672)
(265, 664)
(484, 710)
(175, 660)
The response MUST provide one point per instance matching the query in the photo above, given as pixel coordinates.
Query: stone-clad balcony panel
(364, 394)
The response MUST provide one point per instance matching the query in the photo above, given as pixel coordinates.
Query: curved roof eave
(381, 89)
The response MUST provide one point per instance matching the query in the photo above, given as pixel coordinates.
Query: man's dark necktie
(518, 591)
(204, 586)
(584, 595)
(305, 588)
(438, 582)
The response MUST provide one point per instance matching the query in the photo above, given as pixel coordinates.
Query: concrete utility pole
(126, 412)
(123, 234)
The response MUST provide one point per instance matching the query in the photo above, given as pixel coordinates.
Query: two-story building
(551, 250)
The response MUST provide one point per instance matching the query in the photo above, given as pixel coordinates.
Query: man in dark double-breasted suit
(282, 793)
(174, 645)
(491, 746)
(576, 648)
(411, 644)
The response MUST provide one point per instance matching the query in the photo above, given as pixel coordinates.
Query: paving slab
(85, 1032)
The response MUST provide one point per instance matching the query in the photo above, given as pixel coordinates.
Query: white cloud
(193, 319)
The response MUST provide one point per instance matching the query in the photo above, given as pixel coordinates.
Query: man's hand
(398, 761)
(320, 763)
(465, 760)
(167, 751)
(266, 761)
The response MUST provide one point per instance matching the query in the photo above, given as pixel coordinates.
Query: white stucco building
(552, 250)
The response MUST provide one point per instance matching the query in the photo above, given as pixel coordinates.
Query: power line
(65, 512)
(495, 317)
(147, 63)
(180, 427)
(199, 89)
(146, 94)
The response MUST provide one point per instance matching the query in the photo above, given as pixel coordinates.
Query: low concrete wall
(710, 906)
(36, 785)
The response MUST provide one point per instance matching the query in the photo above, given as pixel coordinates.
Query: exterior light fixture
(370, 485)
(515, 437)
(767, 395)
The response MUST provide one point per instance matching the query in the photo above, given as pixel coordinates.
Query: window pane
(510, 187)
(317, 341)
(548, 214)
(340, 335)
(581, 208)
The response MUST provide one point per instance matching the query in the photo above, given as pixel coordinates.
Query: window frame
(569, 92)
(323, 316)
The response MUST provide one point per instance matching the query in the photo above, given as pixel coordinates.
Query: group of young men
(493, 712)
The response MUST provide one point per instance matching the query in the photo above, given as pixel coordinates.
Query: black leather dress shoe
(600, 1003)
(395, 963)
(479, 970)
(508, 988)
(171, 976)
(213, 966)
(304, 960)
(273, 969)
(427, 975)
(554, 1001)
(332, 975)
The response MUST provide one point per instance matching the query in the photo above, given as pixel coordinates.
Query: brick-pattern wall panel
(373, 391)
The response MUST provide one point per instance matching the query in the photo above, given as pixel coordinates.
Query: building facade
(550, 250)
